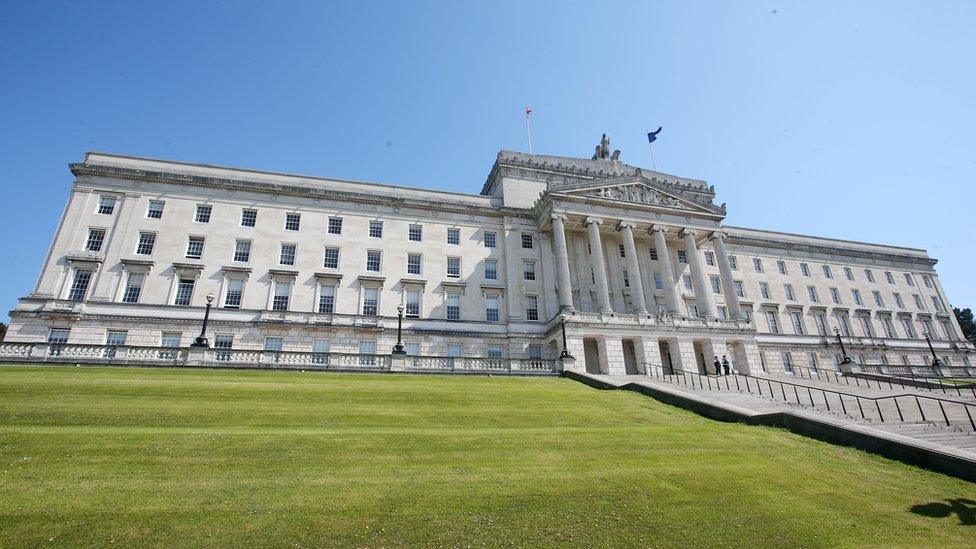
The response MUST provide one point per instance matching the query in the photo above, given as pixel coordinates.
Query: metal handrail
(892, 381)
(810, 393)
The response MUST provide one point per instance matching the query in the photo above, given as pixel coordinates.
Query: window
(869, 275)
(454, 350)
(531, 308)
(368, 351)
(113, 339)
(453, 306)
(812, 294)
(454, 236)
(905, 361)
(203, 213)
(415, 233)
(929, 328)
(827, 272)
(909, 280)
(527, 241)
(242, 251)
(58, 336)
(194, 247)
(489, 239)
(835, 296)
(686, 280)
(757, 264)
(491, 308)
(155, 209)
(848, 273)
(273, 344)
(772, 322)
(413, 264)
(106, 205)
(918, 302)
(658, 283)
(723, 312)
(249, 218)
(889, 277)
(764, 290)
(950, 334)
(804, 269)
(373, 261)
(223, 343)
(796, 317)
(535, 351)
(939, 306)
(287, 256)
(528, 270)
(626, 279)
(491, 269)
(653, 254)
(494, 351)
(234, 294)
(867, 327)
(898, 301)
(906, 323)
(331, 260)
(857, 297)
(877, 298)
(133, 287)
(845, 325)
(96, 237)
(412, 348)
(171, 340)
(682, 256)
(733, 263)
(376, 229)
(821, 320)
(282, 294)
(146, 243)
(184, 292)
(927, 280)
(787, 361)
(327, 295)
(739, 291)
(292, 221)
(79, 286)
(412, 304)
(710, 259)
(781, 265)
(454, 267)
(371, 300)
(335, 225)
(788, 290)
(888, 327)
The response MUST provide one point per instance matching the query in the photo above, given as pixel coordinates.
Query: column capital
(686, 232)
(558, 215)
(658, 228)
(624, 224)
(594, 220)
(717, 235)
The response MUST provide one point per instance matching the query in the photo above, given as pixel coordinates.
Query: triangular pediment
(638, 191)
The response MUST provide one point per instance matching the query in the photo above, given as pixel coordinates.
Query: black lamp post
(398, 348)
(565, 353)
(843, 350)
(935, 360)
(201, 341)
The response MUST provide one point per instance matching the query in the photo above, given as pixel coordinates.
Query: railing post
(897, 407)
(878, 405)
(859, 407)
(970, 416)
(941, 407)
(827, 402)
(842, 405)
(920, 410)
(796, 394)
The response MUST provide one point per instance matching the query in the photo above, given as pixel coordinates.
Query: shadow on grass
(965, 509)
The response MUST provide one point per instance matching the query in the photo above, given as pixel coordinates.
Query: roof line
(829, 238)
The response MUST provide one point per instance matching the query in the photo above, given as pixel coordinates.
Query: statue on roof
(603, 150)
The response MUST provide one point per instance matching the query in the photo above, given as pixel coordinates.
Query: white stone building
(636, 263)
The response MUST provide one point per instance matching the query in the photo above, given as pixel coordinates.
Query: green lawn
(197, 457)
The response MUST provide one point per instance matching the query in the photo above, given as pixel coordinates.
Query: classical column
(636, 285)
(597, 263)
(664, 259)
(564, 285)
(705, 307)
(731, 300)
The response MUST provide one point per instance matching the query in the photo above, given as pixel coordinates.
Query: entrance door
(591, 355)
(666, 364)
(630, 358)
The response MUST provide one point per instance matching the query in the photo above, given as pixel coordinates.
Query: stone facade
(636, 267)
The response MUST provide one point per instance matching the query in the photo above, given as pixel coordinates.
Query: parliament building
(632, 268)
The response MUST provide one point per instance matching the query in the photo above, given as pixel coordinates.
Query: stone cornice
(735, 240)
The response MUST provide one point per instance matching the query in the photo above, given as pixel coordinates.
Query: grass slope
(201, 457)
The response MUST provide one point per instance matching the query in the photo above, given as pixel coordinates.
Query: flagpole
(528, 131)
(650, 147)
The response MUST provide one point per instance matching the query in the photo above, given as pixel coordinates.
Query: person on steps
(725, 364)
(718, 366)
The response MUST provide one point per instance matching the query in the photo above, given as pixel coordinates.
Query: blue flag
(652, 136)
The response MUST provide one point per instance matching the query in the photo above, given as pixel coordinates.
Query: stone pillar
(597, 262)
(731, 300)
(685, 359)
(636, 285)
(705, 308)
(615, 356)
(564, 286)
(664, 259)
(650, 354)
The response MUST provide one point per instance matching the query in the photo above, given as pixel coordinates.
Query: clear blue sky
(849, 119)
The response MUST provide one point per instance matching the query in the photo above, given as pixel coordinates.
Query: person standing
(718, 366)
(725, 364)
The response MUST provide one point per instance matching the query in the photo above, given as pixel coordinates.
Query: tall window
(626, 279)
(203, 213)
(454, 236)
(848, 273)
(331, 258)
(454, 267)
(869, 275)
(373, 261)
(739, 291)
(528, 270)
(710, 259)
(716, 284)
(772, 322)
(133, 287)
(416, 233)
(249, 218)
(412, 306)
(287, 256)
(888, 327)
(282, 294)
(835, 296)
(320, 350)
(234, 294)
(223, 343)
(757, 264)
(453, 306)
(621, 250)
(927, 280)
(184, 292)
(906, 323)
(889, 277)
(909, 280)
(146, 243)
(534, 351)
(490, 239)
(242, 251)
(788, 290)
(733, 263)
(335, 225)
(368, 351)
(918, 302)
(821, 321)
(114, 338)
(866, 326)
(764, 290)
(527, 241)
(292, 221)
(653, 254)
(812, 294)
(827, 272)
(96, 237)
(106, 205)
(939, 306)
(781, 265)
(376, 229)
(491, 308)
(898, 300)
(798, 327)
(845, 325)
(658, 282)
(804, 269)
(686, 281)
(491, 269)
(877, 298)
(194, 247)
(371, 301)
(413, 264)
(155, 209)
(531, 308)
(327, 295)
(857, 297)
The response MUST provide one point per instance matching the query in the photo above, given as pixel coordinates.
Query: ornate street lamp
(201, 341)
(843, 350)
(398, 348)
(935, 360)
(565, 353)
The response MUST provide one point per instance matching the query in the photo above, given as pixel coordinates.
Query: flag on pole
(528, 111)
(651, 136)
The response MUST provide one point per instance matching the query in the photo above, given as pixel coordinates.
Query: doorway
(630, 358)
(591, 356)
